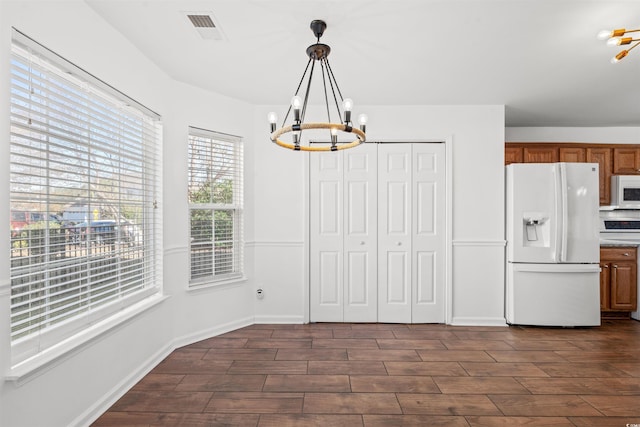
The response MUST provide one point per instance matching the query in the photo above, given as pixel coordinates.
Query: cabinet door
(626, 161)
(602, 156)
(623, 286)
(541, 154)
(605, 280)
(512, 155)
(573, 154)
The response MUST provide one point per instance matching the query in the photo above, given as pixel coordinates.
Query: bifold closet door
(343, 226)
(411, 227)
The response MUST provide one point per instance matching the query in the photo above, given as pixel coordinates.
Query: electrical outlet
(260, 293)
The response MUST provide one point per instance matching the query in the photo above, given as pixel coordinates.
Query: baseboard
(479, 321)
(95, 411)
(279, 319)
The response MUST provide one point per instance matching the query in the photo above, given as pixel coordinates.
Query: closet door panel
(428, 240)
(394, 233)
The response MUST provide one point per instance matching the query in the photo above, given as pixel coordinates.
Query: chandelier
(615, 38)
(318, 53)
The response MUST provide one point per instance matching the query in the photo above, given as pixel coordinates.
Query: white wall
(596, 135)
(80, 385)
(477, 137)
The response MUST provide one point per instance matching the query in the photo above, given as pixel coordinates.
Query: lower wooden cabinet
(618, 279)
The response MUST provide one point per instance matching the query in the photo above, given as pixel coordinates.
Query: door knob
(399, 243)
(362, 243)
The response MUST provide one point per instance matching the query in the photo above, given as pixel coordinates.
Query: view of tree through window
(83, 180)
(215, 204)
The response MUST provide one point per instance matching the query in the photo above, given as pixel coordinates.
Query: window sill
(208, 283)
(36, 365)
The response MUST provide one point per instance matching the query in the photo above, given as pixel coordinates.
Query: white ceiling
(540, 58)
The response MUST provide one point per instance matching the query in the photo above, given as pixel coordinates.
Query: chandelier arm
(333, 82)
(297, 90)
(326, 96)
(636, 44)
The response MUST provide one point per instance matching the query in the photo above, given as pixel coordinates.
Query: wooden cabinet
(626, 161)
(572, 154)
(618, 279)
(548, 154)
(513, 155)
(602, 156)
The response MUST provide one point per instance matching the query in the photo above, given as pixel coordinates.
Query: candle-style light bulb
(619, 56)
(347, 104)
(362, 119)
(296, 103)
(273, 118)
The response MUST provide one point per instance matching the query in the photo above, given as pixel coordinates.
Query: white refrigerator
(553, 248)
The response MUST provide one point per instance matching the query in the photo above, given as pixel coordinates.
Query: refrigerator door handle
(564, 214)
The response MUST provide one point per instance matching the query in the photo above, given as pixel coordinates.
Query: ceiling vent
(205, 25)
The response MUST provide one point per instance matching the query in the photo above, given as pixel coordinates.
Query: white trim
(219, 284)
(175, 250)
(479, 321)
(500, 243)
(448, 182)
(96, 410)
(287, 320)
(52, 356)
(271, 243)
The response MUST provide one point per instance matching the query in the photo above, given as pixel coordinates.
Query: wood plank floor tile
(525, 356)
(393, 384)
(476, 345)
(580, 370)
(363, 333)
(194, 353)
(424, 334)
(602, 356)
(345, 343)
(631, 369)
(278, 343)
(180, 419)
(505, 369)
(447, 404)
(241, 354)
(504, 334)
(312, 354)
(384, 355)
(430, 344)
(307, 383)
(222, 383)
(413, 421)
(541, 345)
(162, 401)
(302, 334)
(268, 367)
(550, 405)
(425, 368)
(479, 385)
(616, 406)
(256, 403)
(159, 382)
(455, 356)
(351, 403)
(219, 342)
(309, 420)
(619, 386)
(188, 366)
(347, 368)
(519, 421)
(604, 421)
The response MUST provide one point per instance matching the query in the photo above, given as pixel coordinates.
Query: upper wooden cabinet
(613, 159)
(626, 161)
(602, 156)
(548, 154)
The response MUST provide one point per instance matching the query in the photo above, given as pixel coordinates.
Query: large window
(84, 188)
(215, 206)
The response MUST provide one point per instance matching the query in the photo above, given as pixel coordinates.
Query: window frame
(37, 348)
(215, 139)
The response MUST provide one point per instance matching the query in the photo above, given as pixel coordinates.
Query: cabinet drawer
(620, 253)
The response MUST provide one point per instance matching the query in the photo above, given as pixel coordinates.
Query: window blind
(84, 185)
(215, 206)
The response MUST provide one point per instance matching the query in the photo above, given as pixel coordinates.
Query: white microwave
(625, 191)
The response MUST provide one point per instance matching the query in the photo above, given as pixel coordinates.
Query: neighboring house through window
(215, 206)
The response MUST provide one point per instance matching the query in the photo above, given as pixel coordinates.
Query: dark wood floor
(393, 375)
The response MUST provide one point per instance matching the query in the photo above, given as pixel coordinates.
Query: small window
(215, 206)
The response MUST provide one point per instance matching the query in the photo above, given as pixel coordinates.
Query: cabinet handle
(615, 266)
(605, 266)
(626, 254)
